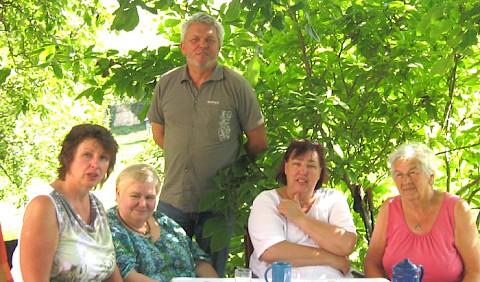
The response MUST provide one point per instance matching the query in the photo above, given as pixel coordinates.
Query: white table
(186, 279)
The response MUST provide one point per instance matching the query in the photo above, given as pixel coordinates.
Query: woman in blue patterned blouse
(149, 245)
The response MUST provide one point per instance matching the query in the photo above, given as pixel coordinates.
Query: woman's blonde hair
(141, 173)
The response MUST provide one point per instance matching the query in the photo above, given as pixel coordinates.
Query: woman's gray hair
(202, 17)
(416, 151)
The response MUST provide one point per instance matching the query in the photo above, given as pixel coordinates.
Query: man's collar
(217, 73)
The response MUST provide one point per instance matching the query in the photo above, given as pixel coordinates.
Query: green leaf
(132, 19)
(211, 225)
(396, 5)
(299, 6)
(238, 169)
(312, 32)
(171, 22)
(441, 27)
(244, 42)
(217, 229)
(233, 10)
(423, 24)
(4, 74)
(252, 73)
(207, 202)
(435, 12)
(278, 22)
(469, 39)
(442, 65)
(454, 39)
(98, 96)
(86, 93)
(251, 16)
(47, 53)
(123, 2)
(112, 52)
(220, 239)
(57, 70)
(126, 19)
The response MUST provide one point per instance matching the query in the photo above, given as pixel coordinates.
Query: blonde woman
(149, 245)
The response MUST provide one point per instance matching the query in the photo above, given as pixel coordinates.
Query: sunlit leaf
(244, 43)
(252, 73)
(171, 22)
(47, 53)
(396, 4)
(442, 65)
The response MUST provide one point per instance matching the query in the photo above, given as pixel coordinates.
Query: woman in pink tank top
(430, 228)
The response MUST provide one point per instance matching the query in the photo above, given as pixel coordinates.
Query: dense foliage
(46, 54)
(360, 77)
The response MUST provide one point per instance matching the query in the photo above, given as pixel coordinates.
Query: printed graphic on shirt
(224, 125)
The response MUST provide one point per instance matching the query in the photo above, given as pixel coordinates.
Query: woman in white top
(301, 223)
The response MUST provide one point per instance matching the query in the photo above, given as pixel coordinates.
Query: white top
(268, 227)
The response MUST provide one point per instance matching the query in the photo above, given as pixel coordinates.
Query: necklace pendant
(418, 227)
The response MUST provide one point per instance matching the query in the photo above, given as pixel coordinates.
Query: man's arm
(257, 140)
(158, 131)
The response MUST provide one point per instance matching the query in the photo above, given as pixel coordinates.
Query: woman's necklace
(417, 225)
(146, 234)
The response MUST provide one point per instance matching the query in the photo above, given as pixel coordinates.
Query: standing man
(199, 112)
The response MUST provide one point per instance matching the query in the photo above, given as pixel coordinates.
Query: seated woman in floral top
(149, 245)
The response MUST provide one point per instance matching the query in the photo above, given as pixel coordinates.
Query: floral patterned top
(172, 255)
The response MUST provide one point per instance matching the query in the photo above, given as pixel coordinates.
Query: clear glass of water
(243, 274)
(295, 275)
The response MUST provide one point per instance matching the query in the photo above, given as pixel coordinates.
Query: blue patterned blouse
(172, 255)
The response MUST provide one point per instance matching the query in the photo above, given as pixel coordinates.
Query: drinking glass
(295, 275)
(243, 274)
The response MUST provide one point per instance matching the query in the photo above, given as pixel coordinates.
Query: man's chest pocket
(222, 124)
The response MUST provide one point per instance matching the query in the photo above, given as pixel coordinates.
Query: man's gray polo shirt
(202, 129)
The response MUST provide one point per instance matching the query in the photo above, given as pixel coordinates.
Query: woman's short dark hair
(77, 135)
(300, 148)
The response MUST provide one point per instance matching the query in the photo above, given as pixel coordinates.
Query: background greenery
(360, 77)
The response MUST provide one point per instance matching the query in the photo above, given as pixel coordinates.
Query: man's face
(201, 46)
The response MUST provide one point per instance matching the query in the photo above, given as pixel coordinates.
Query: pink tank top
(435, 250)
